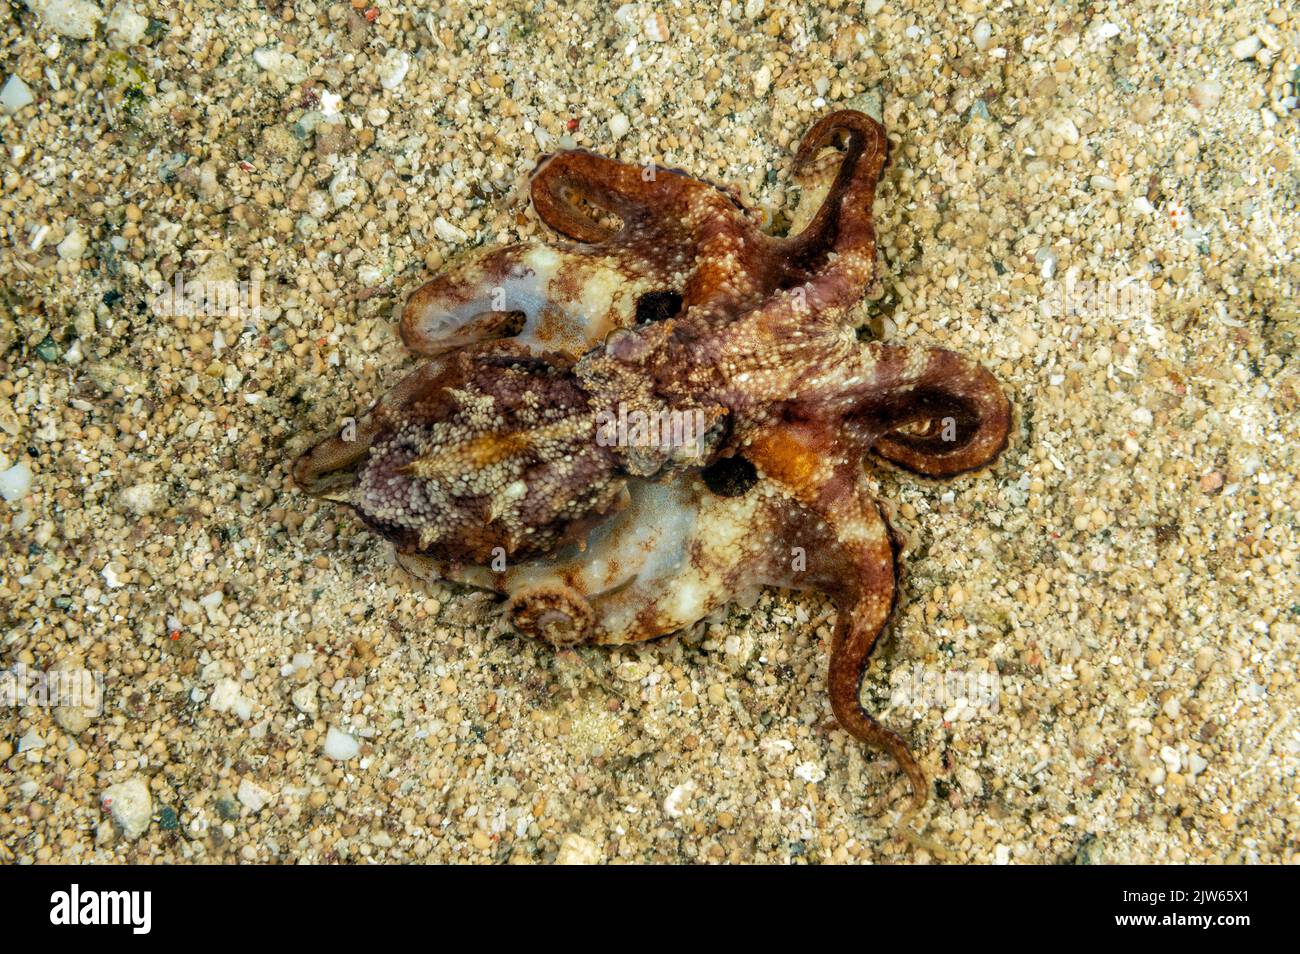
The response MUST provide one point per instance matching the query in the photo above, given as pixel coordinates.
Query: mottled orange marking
(783, 457)
(475, 454)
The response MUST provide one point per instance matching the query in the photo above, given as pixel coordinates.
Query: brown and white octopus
(522, 456)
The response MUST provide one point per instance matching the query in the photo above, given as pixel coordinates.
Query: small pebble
(252, 796)
(144, 499)
(340, 746)
(130, 806)
(1207, 94)
(577, 850)
(448, 232)
(16, 481)
(1247, 48)
(15, 95)
(125, 27)
(73, 245)
(393, 68)
(655, 25)
(75, 19)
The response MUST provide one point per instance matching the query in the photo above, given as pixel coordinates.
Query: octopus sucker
(629, 428)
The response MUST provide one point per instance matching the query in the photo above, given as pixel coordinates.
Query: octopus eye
(656, 306)
(730, 476)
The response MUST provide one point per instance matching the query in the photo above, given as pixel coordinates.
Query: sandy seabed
(1095, 653)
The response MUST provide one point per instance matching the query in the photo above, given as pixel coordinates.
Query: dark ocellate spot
(730, 476)
(656, 306)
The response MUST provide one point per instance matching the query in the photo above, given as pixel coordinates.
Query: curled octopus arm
(847, 550)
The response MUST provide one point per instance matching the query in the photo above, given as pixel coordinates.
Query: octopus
(624, 431)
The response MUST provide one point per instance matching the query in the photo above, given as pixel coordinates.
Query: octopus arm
(929, 410)
(695, 238)
(331, 465)
(838, 245)
(544, 298)
(840, 544)
(636, 576)
(568, 186)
